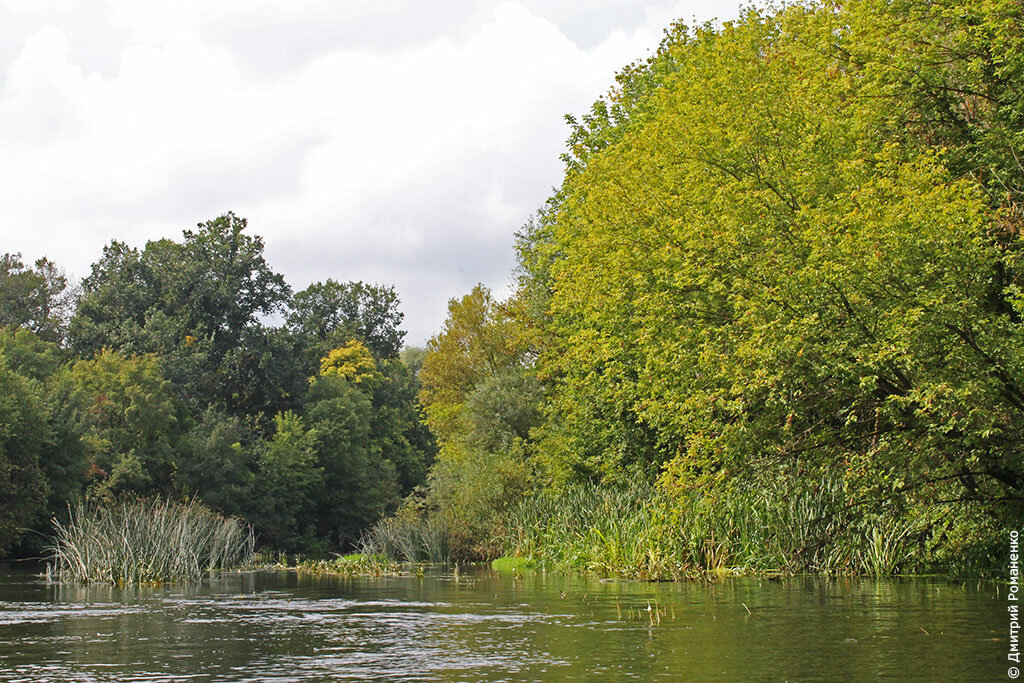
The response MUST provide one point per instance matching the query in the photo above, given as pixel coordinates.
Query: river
(485, 626)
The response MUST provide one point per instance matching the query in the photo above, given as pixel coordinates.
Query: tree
(327, 314)
(23, 433)
(360, 484)
(198, 304)
(61, 454)
(36, 299)
(478, 340)
(763, 273)
(215, 460)
(124, 410)
(288, 485)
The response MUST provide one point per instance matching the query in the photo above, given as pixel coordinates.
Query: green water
(277, 626)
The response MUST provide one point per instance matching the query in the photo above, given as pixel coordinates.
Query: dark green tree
(37, 298)
(23, 436)
(328, 314)
(288, 486)
(199, 305)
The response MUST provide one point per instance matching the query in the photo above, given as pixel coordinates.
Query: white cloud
(363, 140)
(33, 6)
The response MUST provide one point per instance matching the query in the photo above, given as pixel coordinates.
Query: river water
(482, 625)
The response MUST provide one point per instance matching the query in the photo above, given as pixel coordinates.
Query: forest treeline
(770, 319)
(159, 378)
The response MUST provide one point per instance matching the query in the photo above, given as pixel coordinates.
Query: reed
(408, 537)
(625, 532)
(134, 542)
(640, 532)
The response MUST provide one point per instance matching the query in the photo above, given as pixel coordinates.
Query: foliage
(215, 463)
(125, 413)
(412, 358)
(411, 535)
(178, 387)
(783, 253)
(359, 484)
(357, 564)
(470, 492)
(136, 542)
(353, 361)
(330, 313)
(23, 434)
(288, 485)
(476, 342)
(198, 305)
(36, 299)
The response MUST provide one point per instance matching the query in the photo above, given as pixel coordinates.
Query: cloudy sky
(389, 141)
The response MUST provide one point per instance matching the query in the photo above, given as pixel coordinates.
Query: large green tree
(328, 314)
(126, 414)
(198, 304)
(788, 246)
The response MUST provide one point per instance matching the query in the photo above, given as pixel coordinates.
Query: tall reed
(408, 537)
(625, 531)
(146, 541)
(641, 532)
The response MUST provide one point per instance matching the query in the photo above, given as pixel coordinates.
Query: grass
(135, 542)
(625, 532)
(412, 538)
(638, 532)
(512, 564)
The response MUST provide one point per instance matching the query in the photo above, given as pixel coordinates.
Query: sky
(388, 141)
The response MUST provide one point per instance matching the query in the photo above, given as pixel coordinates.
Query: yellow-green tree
(787, 249)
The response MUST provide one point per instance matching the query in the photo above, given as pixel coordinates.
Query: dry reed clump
(134, 542)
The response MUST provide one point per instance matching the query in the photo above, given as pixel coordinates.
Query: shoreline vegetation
(140, 542)
(771, 321)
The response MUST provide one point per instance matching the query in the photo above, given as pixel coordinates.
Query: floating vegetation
(513, 564)
(359, 564)
(135, 542)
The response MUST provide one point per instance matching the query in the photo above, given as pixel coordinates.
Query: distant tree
(353, 361)
(37, 299)
(288, 485)
(215, 460)
(360, 484)
(329, 313)
(23, 434)
(412, 358)
(28, 354)
(199, 305)
(477, 341)
(61, 455)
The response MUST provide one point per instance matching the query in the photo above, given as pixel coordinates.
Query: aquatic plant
(626, 532)
(512, 564)
(643, 532)
(140, 541)
(356, 564)
(410, 536)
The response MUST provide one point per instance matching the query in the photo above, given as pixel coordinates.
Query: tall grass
(616, 531)
(408, 538)
(136, 542)
(640, 532)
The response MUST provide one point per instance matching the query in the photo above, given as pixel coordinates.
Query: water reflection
(287, 627)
